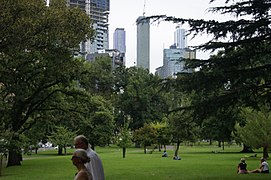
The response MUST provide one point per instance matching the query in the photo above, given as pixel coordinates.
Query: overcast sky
(123, 14)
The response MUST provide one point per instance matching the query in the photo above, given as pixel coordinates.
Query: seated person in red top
(242, 167)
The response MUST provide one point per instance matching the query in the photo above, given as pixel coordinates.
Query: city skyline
(124, 13)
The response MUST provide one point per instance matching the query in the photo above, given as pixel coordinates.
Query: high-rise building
(180, 39)
(143, 43)
(98, 11)
(119, 40)
(172, 60)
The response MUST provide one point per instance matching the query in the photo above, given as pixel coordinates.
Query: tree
(139, 96)
(220, 126)
(62, 137)
(240, 69)
(99, 125)
(238, 74)
(257, 130)
(145, 135)
(182, 128)
(99, 79)
(124, 138)
(36, 62)
(163, 134)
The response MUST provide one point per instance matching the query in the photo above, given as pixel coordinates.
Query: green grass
(198, 162)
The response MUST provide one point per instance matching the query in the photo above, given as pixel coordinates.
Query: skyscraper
(180, 39)
(143, 43)
(98, 11)
(173, 62)
(119, 40)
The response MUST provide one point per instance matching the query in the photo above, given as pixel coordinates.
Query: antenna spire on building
(144, 8)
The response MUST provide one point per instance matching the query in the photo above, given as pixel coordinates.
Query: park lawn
(198, 162)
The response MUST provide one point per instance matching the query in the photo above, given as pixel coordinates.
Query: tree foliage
(163, 134)
(139, 96)
(182, 128)
(62, 137)
(98, 125)
(98, 79)
(124, 137)
(36, 62)
(240, 71)
(146, 135)
(257, 130)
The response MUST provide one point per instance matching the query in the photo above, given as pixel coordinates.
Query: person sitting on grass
(176, 158)
(242, 167)
(264, 167)
(165, 154)
(79, 158)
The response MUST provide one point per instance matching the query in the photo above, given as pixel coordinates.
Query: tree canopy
(257, 130)
(36, 62)
(240, 71)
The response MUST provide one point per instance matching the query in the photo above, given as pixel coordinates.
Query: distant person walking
(95, 166)
(79, 158)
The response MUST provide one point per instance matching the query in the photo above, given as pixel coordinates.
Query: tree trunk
(223, 145)
(247, 149)
(177, 148)
(14, 157)
(1, 163)
(145, 149)
(60, 150)
(123, 152)
(14, 153)
(265, 152)
(219, 143)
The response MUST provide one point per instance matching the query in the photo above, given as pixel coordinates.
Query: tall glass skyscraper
(143, 43)
(180, 39)
(119, 40)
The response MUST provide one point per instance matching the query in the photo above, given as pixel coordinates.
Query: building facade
(117, 58)
(98, 11)
(119, 40)
(143, 43)
(173, 61)
(173, 58)
(180, 39)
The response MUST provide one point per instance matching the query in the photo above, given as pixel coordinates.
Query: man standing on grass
(95, 166)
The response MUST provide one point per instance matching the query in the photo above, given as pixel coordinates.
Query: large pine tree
(240, 71)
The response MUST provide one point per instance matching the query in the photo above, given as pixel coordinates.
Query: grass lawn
(198, 162)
